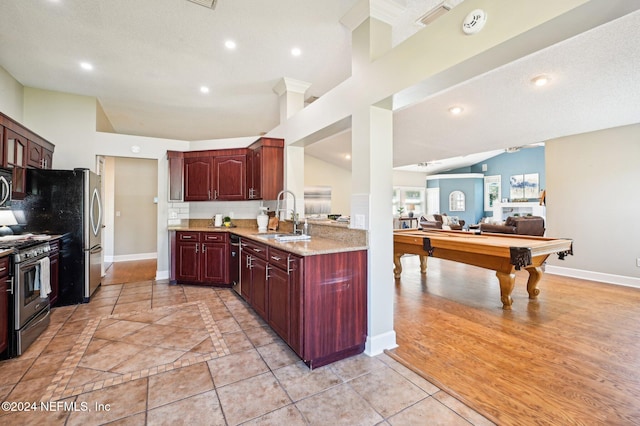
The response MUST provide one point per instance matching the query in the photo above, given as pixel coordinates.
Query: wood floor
(572, 357)
(130, 272)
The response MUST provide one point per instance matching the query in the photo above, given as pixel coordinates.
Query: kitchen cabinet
(220, 176)
(21, 148)
(38, 156)
(197, 178)
(265, 169)
(4, 304)
(230, 173)
(317, 304)
(54, 270)
(201, 258)
(176, 166)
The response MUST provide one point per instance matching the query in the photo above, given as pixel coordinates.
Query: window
(410, 200)
(456, 201)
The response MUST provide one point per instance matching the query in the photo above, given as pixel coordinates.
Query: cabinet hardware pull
(266, 273)
(276, 258)
(186, 237)
(203, 248)
(257, 250)
(289, 264)
(3, 269)
(215, 194)
(249, 262)
(10, 289)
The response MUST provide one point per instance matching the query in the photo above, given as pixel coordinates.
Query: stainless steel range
(29, 282)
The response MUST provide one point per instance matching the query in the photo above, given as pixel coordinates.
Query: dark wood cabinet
(265, 169)
(4, 304)
(54, 268)
(201, 258)
(229, 177)
(21, 148)
(317, 304)
(38, 156)
(197, 178)
(176, 166)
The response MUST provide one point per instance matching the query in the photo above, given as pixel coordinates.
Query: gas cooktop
(22, 241)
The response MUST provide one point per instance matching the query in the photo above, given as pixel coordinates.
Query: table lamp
(6, 218)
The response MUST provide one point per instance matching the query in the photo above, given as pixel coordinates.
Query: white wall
(592, 198)
(415, 179)
(11, 96)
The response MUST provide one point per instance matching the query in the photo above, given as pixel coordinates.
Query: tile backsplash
(178, 212)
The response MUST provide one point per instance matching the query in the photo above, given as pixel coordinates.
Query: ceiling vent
(211, 4)
(434, 13)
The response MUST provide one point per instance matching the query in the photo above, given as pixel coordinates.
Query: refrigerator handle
(95, 224)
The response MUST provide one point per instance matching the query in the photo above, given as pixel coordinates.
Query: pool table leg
(423, 264)
(507, 282)
(397, 265)
(535, 274)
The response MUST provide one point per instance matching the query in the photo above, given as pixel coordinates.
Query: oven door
(27, 300)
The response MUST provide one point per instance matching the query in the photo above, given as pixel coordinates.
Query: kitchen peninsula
(312, 293)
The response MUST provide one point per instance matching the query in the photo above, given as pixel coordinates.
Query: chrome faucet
(282, 194)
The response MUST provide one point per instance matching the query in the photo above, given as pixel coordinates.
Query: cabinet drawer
(4, 266)
(278, 258)
(255, 249)
(188, 236)
(221, 237)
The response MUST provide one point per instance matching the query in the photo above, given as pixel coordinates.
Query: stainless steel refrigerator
(68, 203)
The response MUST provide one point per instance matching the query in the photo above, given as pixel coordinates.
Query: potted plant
(400, 211)
(227, 221)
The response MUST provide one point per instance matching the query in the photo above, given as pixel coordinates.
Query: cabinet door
(47, 159)
(214, 263)
(197, 179)
(230, 175)
(15, 149)
(255, 172)
(176, 166)
(4, 304)
(279, 297)
(245, 275)
(259, 286)
(34, 155)
(187, 261)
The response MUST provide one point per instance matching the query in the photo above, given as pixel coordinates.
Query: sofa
(519, 225)
(441, 221)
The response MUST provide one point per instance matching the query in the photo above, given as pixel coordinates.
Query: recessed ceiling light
(296, 51)
(230, 44)
(455, 110)
(540, 80)
(204, 89)
(347, 156)
(86, 66)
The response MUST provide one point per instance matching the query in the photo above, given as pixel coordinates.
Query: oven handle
(10, 289)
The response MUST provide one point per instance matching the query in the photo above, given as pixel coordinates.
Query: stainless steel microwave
(5, 187)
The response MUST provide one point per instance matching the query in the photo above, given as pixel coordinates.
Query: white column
(291, 96)
(372, 189)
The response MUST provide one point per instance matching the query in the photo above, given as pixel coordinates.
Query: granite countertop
(316, 245)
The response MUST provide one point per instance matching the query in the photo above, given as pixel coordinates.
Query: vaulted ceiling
(150, 59)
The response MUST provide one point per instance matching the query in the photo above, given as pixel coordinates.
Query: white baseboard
(593, 276)
(162, 275)
(377, 344)
(130, 257)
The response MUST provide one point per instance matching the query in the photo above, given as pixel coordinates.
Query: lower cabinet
(317, 304)
(4, 304)
(201, 258)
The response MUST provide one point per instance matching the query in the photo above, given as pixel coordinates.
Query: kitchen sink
(283, 237)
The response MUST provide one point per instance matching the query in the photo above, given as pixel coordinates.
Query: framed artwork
(531, 186)
(492, 191)
(523, 187)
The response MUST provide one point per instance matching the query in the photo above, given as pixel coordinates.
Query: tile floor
(150, 353)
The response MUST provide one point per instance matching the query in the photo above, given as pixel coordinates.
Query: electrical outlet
(638, 262)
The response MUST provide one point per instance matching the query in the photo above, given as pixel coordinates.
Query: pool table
(499, 252)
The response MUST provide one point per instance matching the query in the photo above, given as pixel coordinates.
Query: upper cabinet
(21, 148)
(265, 173)
(250, 173)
